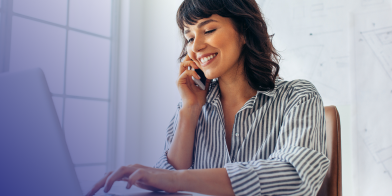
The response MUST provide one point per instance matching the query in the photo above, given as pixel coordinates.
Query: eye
(207, 32)
(211, 31)
(190, 40)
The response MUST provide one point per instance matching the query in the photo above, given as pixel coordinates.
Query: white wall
(151, 91)
(160, 96)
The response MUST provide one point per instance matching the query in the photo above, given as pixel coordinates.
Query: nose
(198, 44)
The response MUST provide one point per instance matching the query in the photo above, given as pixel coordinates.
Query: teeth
(205, 59)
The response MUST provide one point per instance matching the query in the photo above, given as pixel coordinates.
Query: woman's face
(214, 45)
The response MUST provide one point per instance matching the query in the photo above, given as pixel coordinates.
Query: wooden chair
(332, 185)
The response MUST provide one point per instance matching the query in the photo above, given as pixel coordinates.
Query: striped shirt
(278, 141)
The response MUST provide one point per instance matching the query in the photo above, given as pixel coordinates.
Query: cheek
(225, 43)
(190, 53)
(232, 48)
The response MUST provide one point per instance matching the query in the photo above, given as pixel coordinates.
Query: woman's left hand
(144, 177)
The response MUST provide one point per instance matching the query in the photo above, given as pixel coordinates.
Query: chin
(210, 75)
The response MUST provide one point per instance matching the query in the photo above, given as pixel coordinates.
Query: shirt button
(237, 134)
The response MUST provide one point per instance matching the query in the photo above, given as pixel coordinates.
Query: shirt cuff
(244, 179)
(163, 163)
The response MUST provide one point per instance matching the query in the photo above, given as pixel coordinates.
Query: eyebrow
(200, 25)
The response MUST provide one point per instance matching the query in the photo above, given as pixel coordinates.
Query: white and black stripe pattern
(280, 148)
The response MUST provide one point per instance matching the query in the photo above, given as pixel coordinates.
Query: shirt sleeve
(298, 164)
(163, 162)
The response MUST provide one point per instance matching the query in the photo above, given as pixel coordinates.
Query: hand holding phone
(189, 87)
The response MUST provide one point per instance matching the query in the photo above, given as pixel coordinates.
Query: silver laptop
(34, 156)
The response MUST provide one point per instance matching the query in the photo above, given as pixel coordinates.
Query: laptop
(34, 155)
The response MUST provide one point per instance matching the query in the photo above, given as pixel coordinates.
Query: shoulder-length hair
(260, 57)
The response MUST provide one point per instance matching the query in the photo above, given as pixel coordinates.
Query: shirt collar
(214, 92)
(270, 93)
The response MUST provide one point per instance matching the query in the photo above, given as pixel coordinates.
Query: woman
(249, 133)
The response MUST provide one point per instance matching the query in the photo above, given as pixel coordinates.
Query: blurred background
(111, 66)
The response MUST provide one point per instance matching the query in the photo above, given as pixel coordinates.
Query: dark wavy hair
(260, 57)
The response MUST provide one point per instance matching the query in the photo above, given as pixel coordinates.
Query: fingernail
(198, 76)
(128, 186)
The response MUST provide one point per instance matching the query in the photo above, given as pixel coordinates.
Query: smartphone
(202, 82)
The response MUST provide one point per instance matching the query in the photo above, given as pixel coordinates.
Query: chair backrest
(332, 185)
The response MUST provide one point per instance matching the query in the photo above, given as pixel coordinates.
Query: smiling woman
(211, 37)
(249, 133)
(239, 20)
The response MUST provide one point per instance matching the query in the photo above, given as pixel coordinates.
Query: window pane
(35, 44)
(85, 127)
(91, 15)
(88, 65)
(49, 10)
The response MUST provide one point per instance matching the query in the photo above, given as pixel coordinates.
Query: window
(72, 42)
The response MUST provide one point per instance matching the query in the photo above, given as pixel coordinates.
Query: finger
(190, 63)
(188, 73)
(184, 66)
(147, 187)
(187, 58)
(182, 69)
(185, 77)
(190, 83)
(126, 178)
(137, 166)
(117, 176)
(196, 63)
(134, 177)
(99, 184)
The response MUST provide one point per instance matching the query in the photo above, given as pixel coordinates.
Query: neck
(234, 88)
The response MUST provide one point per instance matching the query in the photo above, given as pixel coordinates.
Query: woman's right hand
(191, 94)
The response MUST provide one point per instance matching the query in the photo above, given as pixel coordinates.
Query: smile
(208, 59)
